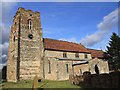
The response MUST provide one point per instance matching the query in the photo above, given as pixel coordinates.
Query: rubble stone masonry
(28, 57)
(26, 46)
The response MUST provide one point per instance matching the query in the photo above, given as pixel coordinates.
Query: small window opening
(77, 55)
(64, 55)
(86, 56)
(67, 68)
(49, 67)
(14, 39)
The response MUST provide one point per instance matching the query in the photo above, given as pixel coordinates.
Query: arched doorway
(96, 69)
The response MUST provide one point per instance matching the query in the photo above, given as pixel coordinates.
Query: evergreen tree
(113, 51)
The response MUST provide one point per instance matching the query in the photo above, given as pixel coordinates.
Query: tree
(113, 51)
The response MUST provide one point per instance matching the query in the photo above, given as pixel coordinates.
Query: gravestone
(35, 84)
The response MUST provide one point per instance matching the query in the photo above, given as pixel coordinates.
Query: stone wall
(57, 69)
(60, 65)
(26, 46)
(80, 69)
(13, 52)
(63, 74)
(31, 49)
(50, 69)
(102, 65)
(90, 66)
(71, 55)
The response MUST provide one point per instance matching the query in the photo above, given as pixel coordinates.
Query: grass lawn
(43, 84)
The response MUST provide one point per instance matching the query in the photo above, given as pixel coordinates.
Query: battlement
(24, 11)
(21, 9)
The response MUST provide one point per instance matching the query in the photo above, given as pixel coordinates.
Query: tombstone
(71, 78)
(35, 84)
(87, 78)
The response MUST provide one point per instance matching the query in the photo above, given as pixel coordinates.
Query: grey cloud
(3, 56)
(6, 7)
(3, 59)
(73, 39)
(6, 10)
(93, 39)
(109, 21)
(4, 48)
(5, 33)
(5, 30)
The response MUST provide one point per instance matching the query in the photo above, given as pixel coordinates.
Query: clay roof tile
(98, 53)
(51, 44)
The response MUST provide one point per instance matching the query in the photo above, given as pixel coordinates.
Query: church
(29, 54)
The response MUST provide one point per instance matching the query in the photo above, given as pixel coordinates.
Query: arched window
(29, 24)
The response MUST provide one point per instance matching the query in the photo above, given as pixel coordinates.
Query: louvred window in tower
(29, 24)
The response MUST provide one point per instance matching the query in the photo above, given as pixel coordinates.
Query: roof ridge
(64, 41)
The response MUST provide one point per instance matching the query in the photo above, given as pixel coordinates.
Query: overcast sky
(88, 23)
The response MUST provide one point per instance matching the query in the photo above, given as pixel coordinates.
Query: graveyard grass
(43, 84)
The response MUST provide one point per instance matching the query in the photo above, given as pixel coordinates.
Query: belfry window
(29, 24)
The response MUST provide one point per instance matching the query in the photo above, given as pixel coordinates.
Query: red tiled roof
(51, 44)
(98, 53)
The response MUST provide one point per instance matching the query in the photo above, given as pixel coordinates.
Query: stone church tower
(25, 46)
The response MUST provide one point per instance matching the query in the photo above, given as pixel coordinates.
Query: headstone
(87, 78)
(35, 84)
